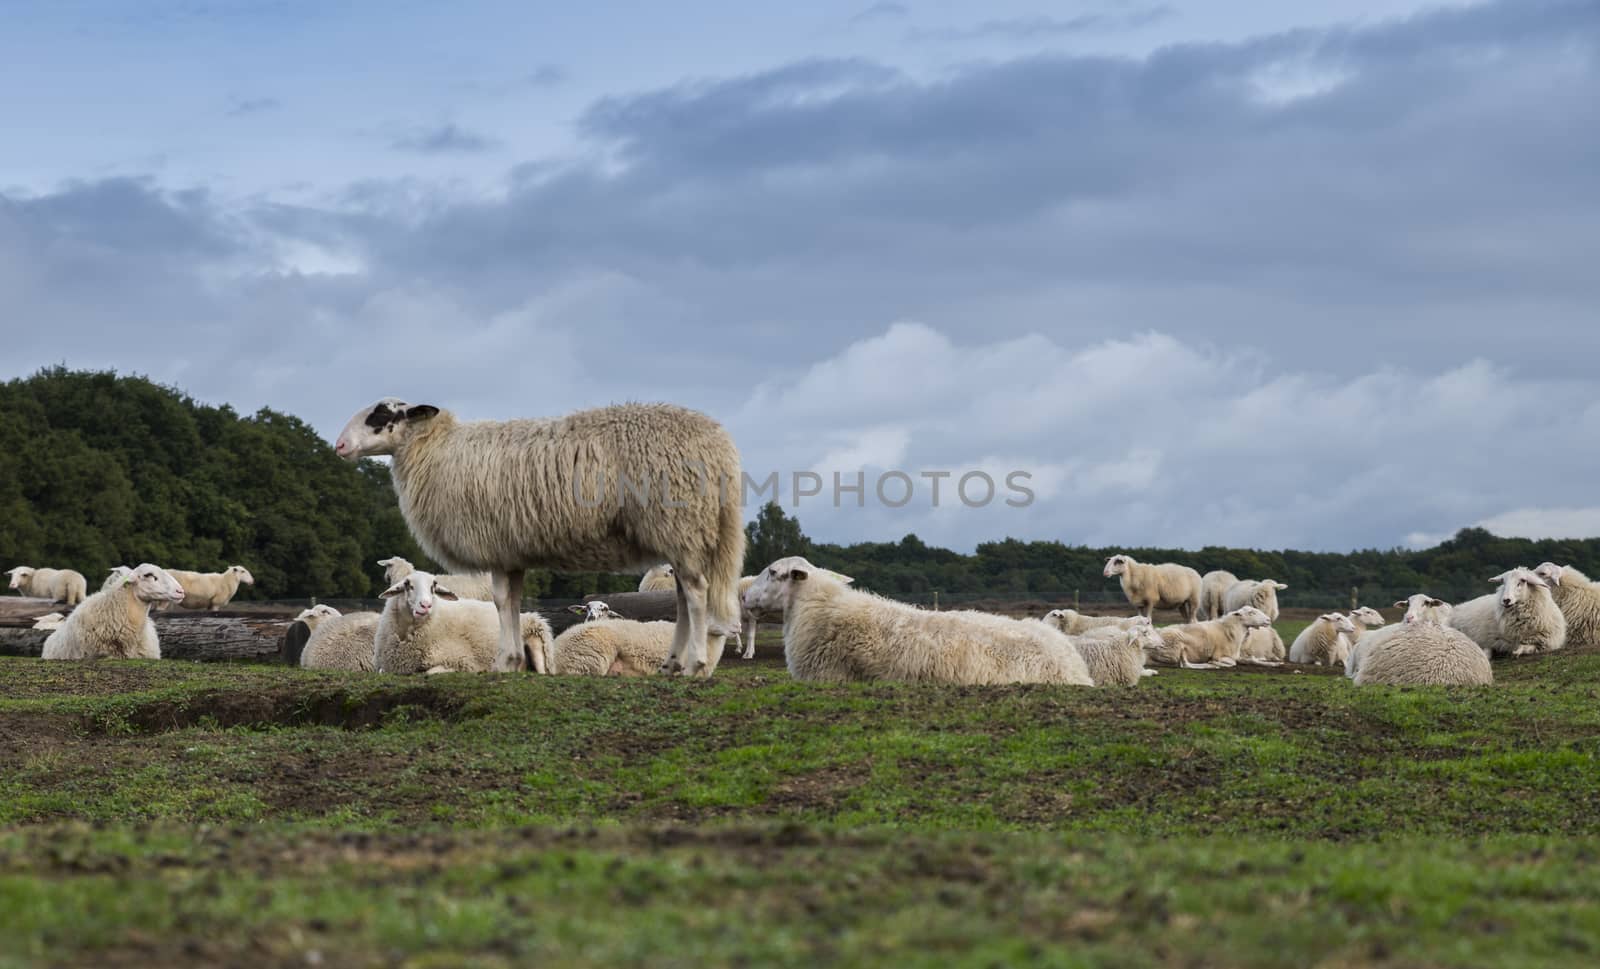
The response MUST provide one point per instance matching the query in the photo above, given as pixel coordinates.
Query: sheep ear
(1280, 585)
(388, 561)
(1435, 603)
(420, 411)
(799, 575)
(394, 590)
(1402, 604)
(445, 594)
(580, 610)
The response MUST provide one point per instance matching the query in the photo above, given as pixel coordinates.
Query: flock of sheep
(493, 499)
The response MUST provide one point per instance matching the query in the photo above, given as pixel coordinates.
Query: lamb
(1521, 618)
(506, 496)
(1213, 590)
(1213, 644)
(1325, 642)
(211, 590)
(1152, 587)
(833, 633)
(1579, 600)
(748, 618)
(474, 586)
(1421, 651)
(609, 647)
(59, 585)
(339, 642)
(1115, 655)
(1263, 647)
(425, 628)
(658, 579)
(113, 622)
(1261, 593)
(1074, 623)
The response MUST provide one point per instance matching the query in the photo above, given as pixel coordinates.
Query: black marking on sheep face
(383, 417)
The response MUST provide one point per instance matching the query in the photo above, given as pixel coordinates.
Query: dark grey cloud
(1042, 27)
(444, 139)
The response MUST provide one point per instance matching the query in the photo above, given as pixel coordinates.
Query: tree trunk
(202, 638)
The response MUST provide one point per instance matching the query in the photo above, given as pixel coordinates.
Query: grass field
(177, 814)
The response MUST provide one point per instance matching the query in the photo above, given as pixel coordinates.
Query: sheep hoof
(510, 663)
(669, 667)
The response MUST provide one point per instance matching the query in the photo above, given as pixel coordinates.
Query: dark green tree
(772, 536)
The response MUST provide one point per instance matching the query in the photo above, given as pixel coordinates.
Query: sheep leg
(680, 631)
(696, 651)
(509, 656)
(749, 636)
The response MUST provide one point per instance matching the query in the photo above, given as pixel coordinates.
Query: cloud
(882, 10)
(241, 107)
(1537, 523)
(1039, 27)
(447, 138)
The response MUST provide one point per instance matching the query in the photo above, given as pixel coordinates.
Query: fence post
(1355, 596)
(935, 600)
(1075, 600)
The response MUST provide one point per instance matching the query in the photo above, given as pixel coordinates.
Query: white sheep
(58, 585)
(749, 618)
(339, 642)
(115, 575)
(594, 611)
(1519, 619)
(1579, 599)
(426, 628)
(1214, 588)
(471, 586)
(1212, 644)
(1074, 623)
(211, 590)
(1420, 651)
(1364, 618)
(112, 622)
(834, 633)
(610, 647)
(1152, 587)
(1261, 593)
(1115, 655)
(1263, 647)
(601, 490)
(1325, 642)
(658, 579)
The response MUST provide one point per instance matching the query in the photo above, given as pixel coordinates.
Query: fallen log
(640, 606)
(20, 609)
(206, 639)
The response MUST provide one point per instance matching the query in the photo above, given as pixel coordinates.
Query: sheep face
(152, 583)
(421, 592)
(19, 575)
(1062, 616)
(595, 611)
(775, 586)
(395, 569)
(1144, 635)
(1425, 608)
(1340, 621)
(1517, 585)
(245, 578)
(1254, 618)
(1368, 616)
(317, 613)
(1117, 565)
(378, 428)
(1551, 573)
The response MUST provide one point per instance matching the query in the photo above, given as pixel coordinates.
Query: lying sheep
(1578, 599)
(211, 590)
(115, 575)
(748, 618)
(1364, 618)
(610, 647)
(834, 633)
(1214, 588)
(474, 585)
(339, 642)
(1213, 644)
(426, 628)
(1263, 647)
(1074, 623)
(1418, 608)
(58, 585)
(1115, 655)
(1519, 619)
(1325, 642)
(1420, 651)
(594, 611)
(658, 579)
(1260, 593)
(112, 623)
(564, 493)
(1152, 587)
(51, 620)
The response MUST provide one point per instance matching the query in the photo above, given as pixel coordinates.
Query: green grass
(179, 814)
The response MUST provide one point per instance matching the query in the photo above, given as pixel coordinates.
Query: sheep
(1152, 587)
(1073, 623)
(426, 628)
(506, 496)
(57, 585)
(474, 586)
(1115, 655)
(748, 618)
(1263, 647)
(50, 620)
(1579, 599)
(339, 642)
(1325, 642)
(609, 647)
(658, 579)
(1364, 618)
(1213, 644)
(1418, 608)
(211, 590)
(1213, 590)
(1521, 618)
(114, 577)
(1420, 652)
(114, 622)
(833, 633)
(1261, 593)
(594, 611)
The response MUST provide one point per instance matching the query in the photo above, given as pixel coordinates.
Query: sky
(1315, 275)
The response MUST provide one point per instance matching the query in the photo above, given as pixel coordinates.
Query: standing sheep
(1325, 642)
(1261, 593)
(506, 496)
(59, 585)
(211, 590)
(426, 628)
(474, 586)
(1213, 592)
(1213, 644)
(658, 579)
(833, 633)
(1519, 619)
(112, 623)
(1579, 600)
(1152, 587)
